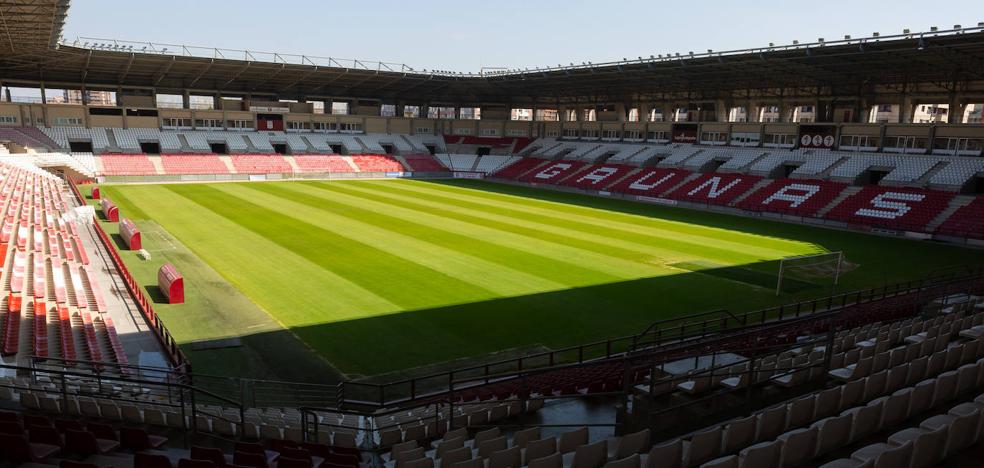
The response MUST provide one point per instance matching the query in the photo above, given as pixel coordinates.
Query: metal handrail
(126, 46)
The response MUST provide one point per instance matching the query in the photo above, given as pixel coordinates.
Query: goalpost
(825, 265)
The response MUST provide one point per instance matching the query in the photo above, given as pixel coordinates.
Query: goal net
(810, 269)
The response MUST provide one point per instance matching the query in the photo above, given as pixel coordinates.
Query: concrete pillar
(44, 98)
(621, 112)
(721, 109)
(955, 109)
(753, 111)
(906, 109)
(644, 110)
(186, 100)
(783, 111)
(824, 113)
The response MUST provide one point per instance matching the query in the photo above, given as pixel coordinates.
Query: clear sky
(465, 35)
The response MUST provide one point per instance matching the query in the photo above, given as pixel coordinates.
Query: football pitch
(297, 280)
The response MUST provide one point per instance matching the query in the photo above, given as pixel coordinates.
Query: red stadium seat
(909, 209)
(714, 188)
(967, 221)
(650, 182)
(800, 197)
(598, 177)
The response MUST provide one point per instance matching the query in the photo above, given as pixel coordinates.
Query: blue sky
(465, 35)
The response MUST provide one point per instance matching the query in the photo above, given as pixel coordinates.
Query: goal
(810, 268)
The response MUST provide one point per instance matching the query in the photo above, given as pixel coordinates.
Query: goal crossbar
(806, 261)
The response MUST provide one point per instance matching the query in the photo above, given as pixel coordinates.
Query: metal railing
(144, 47)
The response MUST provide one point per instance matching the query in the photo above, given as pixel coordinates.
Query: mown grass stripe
(695, 235)
(636, 248)
(395, 279)
(274, 277)
(498, 279)
(608, 260)
(471, 240)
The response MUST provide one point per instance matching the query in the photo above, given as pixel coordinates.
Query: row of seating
(904, 208)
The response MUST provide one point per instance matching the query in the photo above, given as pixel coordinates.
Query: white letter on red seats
(889, 205)
(599, 174)
(795, 194)
(640, 185)
(714, 183)
(552, 171)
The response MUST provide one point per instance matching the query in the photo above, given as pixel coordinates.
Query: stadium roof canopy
(850, 67)
(30, 26)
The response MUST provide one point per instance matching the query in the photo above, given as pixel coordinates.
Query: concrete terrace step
(228, 163)
(158, 166)
(849, 191)
(755, 188)
(293, 163)
(956, 203)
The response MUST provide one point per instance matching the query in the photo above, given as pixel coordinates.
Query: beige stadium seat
(485, 435)
(927, 446)
(771, 423)
(874, 385)
(486, 448)
(555, 460)
(508, 458)
(523, 437)
(852, 371)
(962, 421)
(668, 454)
(419, 463)
(761, 454)
(589, 456)
(739, 434)
(630, 444)
(851, 394)
(447, 445)
(827, 402)
(415, 432)
(866, 419)
(540, 449)
(896, 407)
(705, 445)
(460, 454)
(570, 441)
(730, 461)
(884, 455)
(798, 446)
(799, 412)
(834, 432)
(946, 387)
(401, 447)
(632, 461)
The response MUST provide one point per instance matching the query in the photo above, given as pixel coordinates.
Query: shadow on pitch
(411, 343)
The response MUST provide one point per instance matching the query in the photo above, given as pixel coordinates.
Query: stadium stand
(423, 163)
(717, 189)
(178, 164)
(650, 182)
(598, 177)
(799, 197)
(321, 163)
(967, 221)
(893, 208)
(376, 163)
(129, 164)
(553, 173)
(259, 164)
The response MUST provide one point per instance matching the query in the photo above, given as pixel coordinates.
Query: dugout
(110, 211)
(171, 284)
(130, 234)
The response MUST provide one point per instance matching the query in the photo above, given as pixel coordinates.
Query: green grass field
(375, 277)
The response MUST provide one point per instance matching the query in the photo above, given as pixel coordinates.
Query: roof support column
(955, 109)
(721, 107)
(905, 109)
